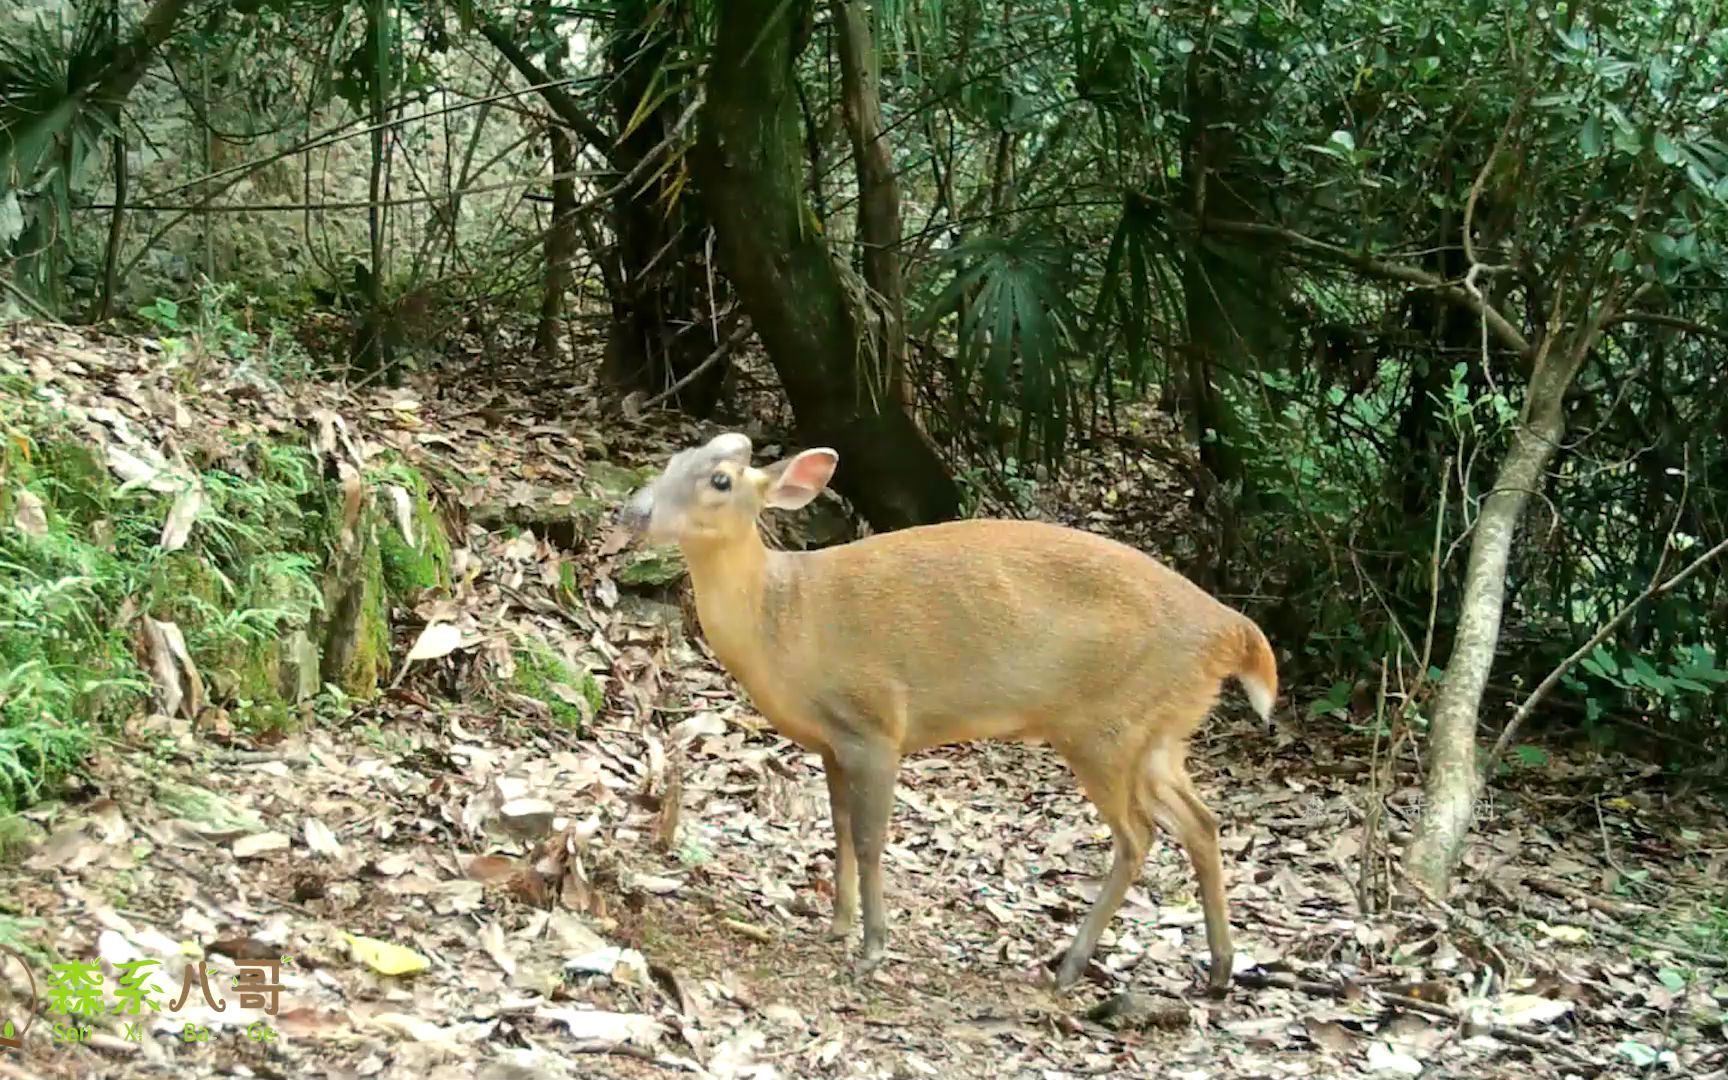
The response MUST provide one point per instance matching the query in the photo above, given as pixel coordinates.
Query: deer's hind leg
(1107, 777)
(1167, 795)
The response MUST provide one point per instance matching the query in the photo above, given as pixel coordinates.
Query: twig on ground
(1482, 932)
(1285, 981)
(629, 1050)
(1568, 891)
(749, 930)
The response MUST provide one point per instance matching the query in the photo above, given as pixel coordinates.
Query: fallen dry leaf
(384, 957)
(256, 844)
(319, 839)
(29, 516)
(181, 516)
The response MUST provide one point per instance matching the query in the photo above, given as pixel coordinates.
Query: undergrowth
(76, 579)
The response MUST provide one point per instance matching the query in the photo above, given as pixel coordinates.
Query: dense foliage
(1352, 247)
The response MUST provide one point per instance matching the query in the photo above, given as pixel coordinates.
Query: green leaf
(1343, 139)
(1531, 757)
(1590, 137)
(1603, 662)
(1666, 151)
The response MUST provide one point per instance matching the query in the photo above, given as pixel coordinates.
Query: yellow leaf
(1619, 802)
(384, 957)
(1571, 935)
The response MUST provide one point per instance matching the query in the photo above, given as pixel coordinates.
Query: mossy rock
(618, 480)
(18, 837)
(412, 567)
(554, 514)
(216, 812)
(354, 633)
(237, 667)
(654, 566)
(573, 696)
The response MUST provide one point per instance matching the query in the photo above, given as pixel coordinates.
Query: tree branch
(1655, 588)
(561, 103)
(1502, 328)
(1675, 321)
(736, 338)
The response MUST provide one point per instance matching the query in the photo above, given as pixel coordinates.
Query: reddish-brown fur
(951, 633)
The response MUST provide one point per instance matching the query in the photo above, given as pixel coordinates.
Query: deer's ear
(792, 483)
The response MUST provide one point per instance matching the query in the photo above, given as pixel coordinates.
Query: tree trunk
(559, 247)
(661, 328)
(878, 189)
(1454, 780)
(133, 58)
(653, 272)
(373, 339)
(747, 163)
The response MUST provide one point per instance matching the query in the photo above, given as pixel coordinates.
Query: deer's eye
(720, 482)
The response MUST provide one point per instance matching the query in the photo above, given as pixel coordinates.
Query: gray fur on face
(672, 493)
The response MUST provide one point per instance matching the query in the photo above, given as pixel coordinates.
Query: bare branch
(556, 99)
(733, 340)
(1553, 678)
(1675, 321)
(1502, 328)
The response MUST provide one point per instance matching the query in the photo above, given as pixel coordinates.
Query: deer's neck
(731, 580)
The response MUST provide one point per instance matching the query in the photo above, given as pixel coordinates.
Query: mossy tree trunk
(748, 164)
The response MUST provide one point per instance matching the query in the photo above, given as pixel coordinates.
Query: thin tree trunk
(1454, 780)
(559, 246)
(117, 220)
(878, 190)
(748, 165)
(1232, 298)
(371, 351)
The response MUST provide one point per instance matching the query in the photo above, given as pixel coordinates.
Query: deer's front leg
(845, 855)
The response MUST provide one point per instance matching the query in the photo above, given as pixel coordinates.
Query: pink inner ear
(808, 472)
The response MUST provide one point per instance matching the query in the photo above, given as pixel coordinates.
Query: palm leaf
(1015, 333)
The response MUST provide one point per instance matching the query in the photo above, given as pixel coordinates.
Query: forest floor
(647, 897)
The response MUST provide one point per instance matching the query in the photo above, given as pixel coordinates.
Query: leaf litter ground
(465, 887)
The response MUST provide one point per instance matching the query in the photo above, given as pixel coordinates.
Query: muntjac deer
(868, 651)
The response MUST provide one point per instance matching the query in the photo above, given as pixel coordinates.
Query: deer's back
(979, 629)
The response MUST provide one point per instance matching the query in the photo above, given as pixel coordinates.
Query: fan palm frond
(1016, 332)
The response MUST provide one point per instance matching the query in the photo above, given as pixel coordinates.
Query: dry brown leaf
(319, 839)
(492, 940)
(256, 844)
(29, 516)
(177, 529)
